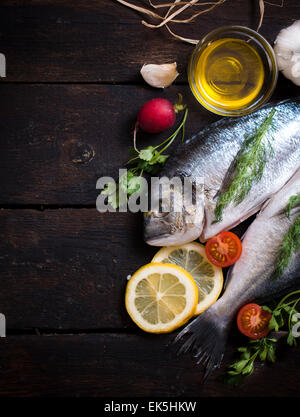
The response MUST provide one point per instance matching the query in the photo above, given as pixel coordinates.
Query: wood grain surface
(67, 112)
(125, 365)
(103, 41)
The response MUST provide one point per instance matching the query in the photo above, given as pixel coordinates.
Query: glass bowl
(232, 71)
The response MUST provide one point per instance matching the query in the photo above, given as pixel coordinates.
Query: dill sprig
(250, 163)
(291, 240)
(294, 201)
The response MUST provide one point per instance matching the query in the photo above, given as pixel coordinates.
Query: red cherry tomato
(253, 321)
(224, 249)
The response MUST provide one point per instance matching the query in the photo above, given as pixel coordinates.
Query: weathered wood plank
(103, 41)
(67, 269)
(107, 365)
(57, 140)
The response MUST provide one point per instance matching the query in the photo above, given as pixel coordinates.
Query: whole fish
(250, 278)
(211, 155)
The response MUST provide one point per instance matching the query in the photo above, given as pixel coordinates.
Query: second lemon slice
(192, 258)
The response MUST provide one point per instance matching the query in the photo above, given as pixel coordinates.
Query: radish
(156, 115)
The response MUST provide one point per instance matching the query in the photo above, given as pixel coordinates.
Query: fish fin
(206, 338)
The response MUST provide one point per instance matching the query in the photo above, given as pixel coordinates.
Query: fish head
(173, 219)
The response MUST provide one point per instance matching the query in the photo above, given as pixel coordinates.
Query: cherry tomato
(253, 321)
(224, 249)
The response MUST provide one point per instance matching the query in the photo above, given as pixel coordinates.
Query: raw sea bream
(210, 155)
(252, 277)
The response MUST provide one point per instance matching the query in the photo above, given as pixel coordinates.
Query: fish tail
(206, 338)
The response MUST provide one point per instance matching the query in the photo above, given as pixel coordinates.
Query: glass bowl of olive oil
(232, 71)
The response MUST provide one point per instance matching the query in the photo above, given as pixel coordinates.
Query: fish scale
(210, 155)
(250, 278)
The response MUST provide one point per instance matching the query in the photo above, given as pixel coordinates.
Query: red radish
(156, 115)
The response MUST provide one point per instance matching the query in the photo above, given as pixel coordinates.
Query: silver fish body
(211, 154)
(251, 277)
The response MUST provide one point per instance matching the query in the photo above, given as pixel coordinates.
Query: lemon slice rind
(172, 302)
(213, 272)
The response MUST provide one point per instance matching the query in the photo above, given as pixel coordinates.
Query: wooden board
(59, 139)
(67, 268)
(103, 41)
(120, 365)
(67, 110)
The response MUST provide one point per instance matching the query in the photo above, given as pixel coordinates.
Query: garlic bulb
(159, 76)
(287, 51)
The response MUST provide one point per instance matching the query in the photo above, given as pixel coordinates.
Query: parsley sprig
(263, 349)
(250, 163)
(148, 160)
(284, 317)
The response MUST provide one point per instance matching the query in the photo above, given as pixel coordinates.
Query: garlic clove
(159, 76)
(287, 51)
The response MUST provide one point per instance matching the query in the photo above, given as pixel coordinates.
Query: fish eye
(159, 214)
(162, 210)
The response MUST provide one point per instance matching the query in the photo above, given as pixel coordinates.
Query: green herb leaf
(273, 325)
(133, 185)
(123, 181)
(290, 245)
(242, 349)
(263, 354)
(249, 167)
(291, 340)
(263, 349)
(158, 158)
(294, 201)
(147, 154)
(110, 188)
(248, 370)
(149, 160)
(271, 354)
(288, 309)
(291, 240)
(267, 309)
(240, 365)
(113, 201)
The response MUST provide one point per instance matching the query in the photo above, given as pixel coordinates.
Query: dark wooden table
(67, 111)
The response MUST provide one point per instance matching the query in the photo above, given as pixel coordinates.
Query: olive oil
(230, 73)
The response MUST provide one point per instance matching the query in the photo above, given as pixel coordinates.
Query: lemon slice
(191, 257)
(161, 297)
